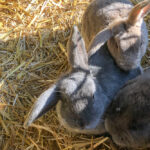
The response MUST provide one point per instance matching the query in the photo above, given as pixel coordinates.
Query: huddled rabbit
(128, 116)
(130, 38)
(83, 94)
(116, 39)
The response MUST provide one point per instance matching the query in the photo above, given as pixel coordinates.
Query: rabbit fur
(128, 116)
(83, 94)
(130, 37)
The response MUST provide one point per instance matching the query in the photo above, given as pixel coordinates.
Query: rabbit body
(108, 79)
(126, 46)
(83, 95)
(128, 116)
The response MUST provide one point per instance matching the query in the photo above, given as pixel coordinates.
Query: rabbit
(130, 36)
(82, 95)
(127, 119)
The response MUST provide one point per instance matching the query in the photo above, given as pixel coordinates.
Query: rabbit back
(108, 74)
(127, 118)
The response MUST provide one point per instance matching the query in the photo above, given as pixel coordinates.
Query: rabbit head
(128, 45)
(75, 93)
(128, 117)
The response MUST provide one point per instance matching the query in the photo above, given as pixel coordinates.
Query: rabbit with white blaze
(130, 37)
(128, 116)
(83, 94)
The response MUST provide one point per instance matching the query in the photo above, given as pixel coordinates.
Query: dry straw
(33, 36)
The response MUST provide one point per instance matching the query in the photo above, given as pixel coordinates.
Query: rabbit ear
(77, 51)
(101, 38)
(45, 102)
(139, 11)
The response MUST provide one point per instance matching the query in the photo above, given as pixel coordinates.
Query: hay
(33, 36)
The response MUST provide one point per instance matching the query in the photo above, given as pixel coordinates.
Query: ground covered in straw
(33, 36)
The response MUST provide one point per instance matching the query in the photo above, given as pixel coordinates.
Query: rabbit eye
(93, 96)
(116, 42)
(116, 45)
(125, 26)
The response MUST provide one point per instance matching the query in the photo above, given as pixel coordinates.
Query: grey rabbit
(128, 116)
(130, 37)
(82, 95)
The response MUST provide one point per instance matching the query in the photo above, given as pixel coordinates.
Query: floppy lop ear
(76, 49)
(139, 11)
(49, 98)
(44, 103)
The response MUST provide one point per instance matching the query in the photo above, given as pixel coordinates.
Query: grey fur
(86, 91)
(128, 116)
(130, 37)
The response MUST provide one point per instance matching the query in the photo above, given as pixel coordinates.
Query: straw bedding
(33, 36)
